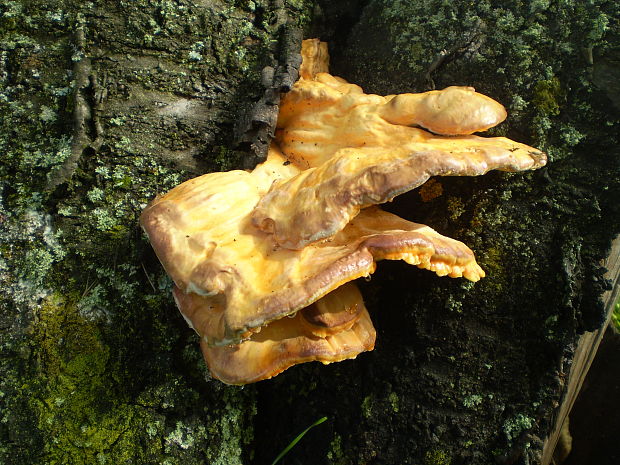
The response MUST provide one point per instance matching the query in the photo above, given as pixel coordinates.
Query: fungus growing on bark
(246, 249)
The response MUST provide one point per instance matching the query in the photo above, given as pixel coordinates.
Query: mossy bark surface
(103, 106)
(106, 104)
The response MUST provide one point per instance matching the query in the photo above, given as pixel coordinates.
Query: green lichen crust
(102, 106)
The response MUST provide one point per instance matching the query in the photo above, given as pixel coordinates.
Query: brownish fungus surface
(334, 328)
(246, 249)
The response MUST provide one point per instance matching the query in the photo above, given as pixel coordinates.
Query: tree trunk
(106, 104)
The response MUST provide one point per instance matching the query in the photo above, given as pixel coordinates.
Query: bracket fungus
(246, 249)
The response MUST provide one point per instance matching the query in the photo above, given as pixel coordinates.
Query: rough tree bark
(104, 104)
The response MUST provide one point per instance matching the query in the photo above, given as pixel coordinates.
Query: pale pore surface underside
(203, 235)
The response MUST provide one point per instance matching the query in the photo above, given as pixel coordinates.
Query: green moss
(367, 407)
(493, 260)
(548, 96)
(394, 402)
(86, 417)
(226, 159)
(437, 457)
(335, 454)
(82, 423)
(456, 208)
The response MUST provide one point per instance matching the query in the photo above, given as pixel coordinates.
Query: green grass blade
(297, 439)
